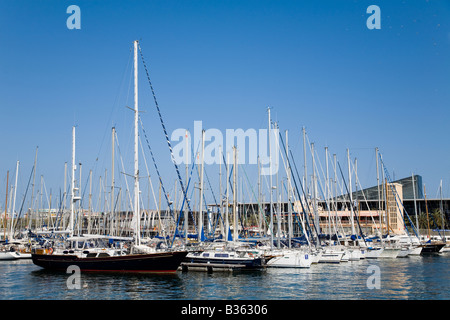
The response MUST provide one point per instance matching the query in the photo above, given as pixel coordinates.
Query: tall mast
(441, 208)
(79, 214)
(6, 206)
(305, 178)
(350, 192)
(32, 190)
(136, 149)
(200, 212)
(234, 193)
(227, 222)
(426, 210)
(314, 191)
(64, 193)
(378, 192)
(112, 180)
(90, 202)
(327, 192)
(415, 206)
(260, 218)
(186, 210)
(270, 186)
(220, 188)
(14, 201)
(72, 185)
(288, 173)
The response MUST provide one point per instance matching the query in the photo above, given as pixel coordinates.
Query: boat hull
(389, 253)
(199, 262)
(291, 260)
(432, 247)
(331, 256)
(6, 255)
(159, 262)
(14, 255)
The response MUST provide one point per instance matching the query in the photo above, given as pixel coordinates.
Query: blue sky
(224, 62)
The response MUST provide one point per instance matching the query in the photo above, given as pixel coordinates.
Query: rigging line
(123, 169)
(164, 128)
(351, 204)
(253, 193)
(397, 196)
(231, 172)
(305, 212)
(204, 197)
(157, 170)
(149, 178)
(186, 220)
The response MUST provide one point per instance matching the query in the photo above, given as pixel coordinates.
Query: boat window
(221, 255)
(206, 254)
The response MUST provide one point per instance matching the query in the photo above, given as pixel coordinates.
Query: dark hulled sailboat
(143, 260)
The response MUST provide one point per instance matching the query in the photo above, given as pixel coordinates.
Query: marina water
(411, 278)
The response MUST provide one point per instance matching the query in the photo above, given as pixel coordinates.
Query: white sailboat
(290, 258)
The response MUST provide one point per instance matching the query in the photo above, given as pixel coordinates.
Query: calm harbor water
(411, 278)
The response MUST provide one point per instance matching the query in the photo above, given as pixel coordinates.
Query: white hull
(291, 259)
(404, 252)
(373, 253)
(363, 253)
(7, 256)
(409, 251)
(415, 251)
(345, 256)
(15, 255)
(355, 254)
(389, 253)
(331, 256)
(445, 249)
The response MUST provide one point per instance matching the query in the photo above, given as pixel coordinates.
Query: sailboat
(14, 249)
(137, 257)
(289, 257)
(222, 255)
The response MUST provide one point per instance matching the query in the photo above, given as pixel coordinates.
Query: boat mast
(289, 197)
(112, 181)
(14, 202)
(305, 177)
(234, 194)
(136, 150)
(270, 186)
(350, 193)
(186, 210)
(6, 207)
(90, 202)
(327, 193)
(220, 189)
(379, 196)
(72, 186)
(415, 206)
(227, 222)
(200, 212)
(426, 210)
(441, 208)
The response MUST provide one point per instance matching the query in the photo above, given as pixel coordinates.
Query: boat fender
(50, 251)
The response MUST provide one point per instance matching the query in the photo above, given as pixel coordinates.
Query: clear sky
(315, 63)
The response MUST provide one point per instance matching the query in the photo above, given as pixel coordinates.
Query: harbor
(157, 198)
(309, 229)
(413, 278)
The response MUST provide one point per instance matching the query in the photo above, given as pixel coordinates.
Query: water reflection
(407, 278)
